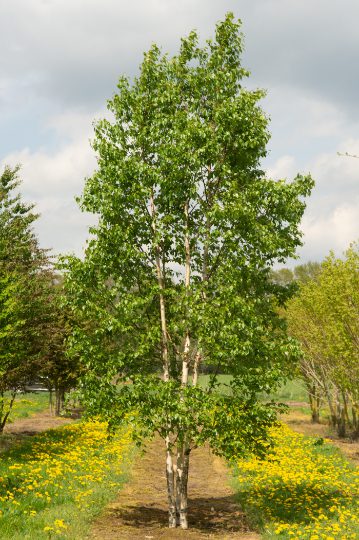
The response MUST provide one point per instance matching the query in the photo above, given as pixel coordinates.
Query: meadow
(54, 484)
(304, 489)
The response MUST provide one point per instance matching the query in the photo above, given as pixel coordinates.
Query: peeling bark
(170, 485)
(196, 364)
(161, 285)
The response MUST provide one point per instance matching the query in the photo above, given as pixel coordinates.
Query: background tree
(26, 283)
(59, 370)
(302, 273)
(177, 272)
(325, 318)
(294, 279)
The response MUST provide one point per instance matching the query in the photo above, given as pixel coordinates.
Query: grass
(294, 390)
(223, 380)
(303, 489)
(26, 405)
(54, 484)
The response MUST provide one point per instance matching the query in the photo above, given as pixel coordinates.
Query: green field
(291, 391)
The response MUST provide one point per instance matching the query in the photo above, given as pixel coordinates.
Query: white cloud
(331, 220)
(284, 167)
(74, 124)
(334, 231)
(52, 180)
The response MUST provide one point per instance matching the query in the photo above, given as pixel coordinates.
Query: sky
(60, 61)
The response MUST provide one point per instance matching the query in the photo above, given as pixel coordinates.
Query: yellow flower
(60, 524)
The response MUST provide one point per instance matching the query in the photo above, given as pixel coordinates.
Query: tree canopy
(177, 272)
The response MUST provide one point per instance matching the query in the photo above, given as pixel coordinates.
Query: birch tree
(177, 272)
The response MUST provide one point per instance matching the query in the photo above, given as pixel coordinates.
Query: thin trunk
(355, 417)
(333, 413)
(196, 364)
(345, 407)
(341, 424)
(183, 454)
(314, 401)
(184, 490)
(59, 400)
(179, 473)
(160, 270)
(51, 401)
(182, 460)
(1, 407)
(187, 343)
(198, 357)
(6, 415)
(161, 285)
(170, 485)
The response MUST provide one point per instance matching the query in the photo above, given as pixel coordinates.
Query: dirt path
(35, 424)
(141, 509)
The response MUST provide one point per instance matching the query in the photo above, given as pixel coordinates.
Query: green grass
(223, 380)
(29, 403)
(294, 390)
(53, 485)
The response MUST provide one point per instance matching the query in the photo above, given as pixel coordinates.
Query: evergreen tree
(24, 271)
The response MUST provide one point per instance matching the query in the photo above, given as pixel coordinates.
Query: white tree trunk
(196, 364)
(182, 469)
(187, 343)
(161, 285)
(182, 447)
(170, 485)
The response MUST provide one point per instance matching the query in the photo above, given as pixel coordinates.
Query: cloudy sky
(60, 60)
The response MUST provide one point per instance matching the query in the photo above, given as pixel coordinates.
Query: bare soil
(36, 423)
(141, 509)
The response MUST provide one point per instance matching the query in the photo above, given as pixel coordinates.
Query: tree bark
(187, 343)
(182, 462)
(182, 471)
(355, 417)
(196, 364)
(59, 400)
(161, 285)
(314, 401)
(4, 417)
(170, 485)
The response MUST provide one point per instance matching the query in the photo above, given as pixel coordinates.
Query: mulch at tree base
(141, 508)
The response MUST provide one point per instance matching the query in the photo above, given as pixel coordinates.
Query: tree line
(324, 316)
(33, 322)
